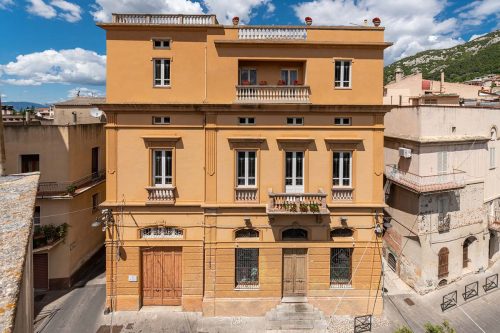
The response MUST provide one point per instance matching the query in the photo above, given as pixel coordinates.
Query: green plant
(403, 329)
(62, 230)
(430, 328)
(314, 207)
(293, 207)
(71, 189)
(50, 232)
(304, 207)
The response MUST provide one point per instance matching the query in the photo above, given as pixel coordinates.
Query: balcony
(272, 94)
(426, 184)
(297, 203)
(161, 19)
(242, 194)
(272, 33)
(342, 194)
(444, 223)
(49, 189)
(161, 195)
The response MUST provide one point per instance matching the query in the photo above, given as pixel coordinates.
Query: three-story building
(244, 165)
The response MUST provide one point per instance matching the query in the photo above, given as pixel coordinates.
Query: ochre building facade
(244, 165)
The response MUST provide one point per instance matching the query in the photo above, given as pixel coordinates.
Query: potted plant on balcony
(297, 83)
(281, 82)
(304, 207)
(50, 232)
(293, 207)
(314, 208)
(245, 83)
(376, 21)
(263, 83)
(308, 20)
(236, 20)
(62, 230)
(71, 189)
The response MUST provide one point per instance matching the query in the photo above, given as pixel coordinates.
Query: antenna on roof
(78, 93)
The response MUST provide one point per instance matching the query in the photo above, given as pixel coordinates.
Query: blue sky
(52, 48)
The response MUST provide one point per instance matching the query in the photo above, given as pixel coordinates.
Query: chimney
(399, 74)
(441, 85)
(2, 145)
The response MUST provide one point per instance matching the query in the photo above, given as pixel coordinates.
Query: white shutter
(492, 158)
(442, 162)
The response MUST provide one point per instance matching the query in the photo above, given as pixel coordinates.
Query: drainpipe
(2, 144)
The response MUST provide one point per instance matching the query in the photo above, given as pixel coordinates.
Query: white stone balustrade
(272, 33)
(161, 195)
(297, 203)
(245, 194)
(272, 94)
(164, 19)
(342, 194)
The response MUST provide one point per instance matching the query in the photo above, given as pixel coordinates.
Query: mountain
(460, 63)
(22, 105)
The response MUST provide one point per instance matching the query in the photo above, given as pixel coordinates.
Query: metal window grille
(247, 233)
(340, 267)
(247, 268)
(161, 232)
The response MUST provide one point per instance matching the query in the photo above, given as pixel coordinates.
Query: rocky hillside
(463, 62)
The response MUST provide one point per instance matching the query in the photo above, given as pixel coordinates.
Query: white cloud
(65, 10)
(413, 25)
(76, 66)
(104, 8)
(226, 10)
(83, 91)
(476, 36)
(476, 12)
(5, 4)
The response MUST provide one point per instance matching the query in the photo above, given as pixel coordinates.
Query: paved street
(81, 311)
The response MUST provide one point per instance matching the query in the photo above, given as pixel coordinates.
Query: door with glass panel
(162, 168)
(246, 168)
(294, 172)
(289, 76)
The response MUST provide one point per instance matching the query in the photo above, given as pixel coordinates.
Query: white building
(443, 189)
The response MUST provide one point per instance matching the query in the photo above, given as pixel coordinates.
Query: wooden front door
(162, 276)
(294, 272)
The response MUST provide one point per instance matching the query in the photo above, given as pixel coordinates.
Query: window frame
(293, 186)
(95, 205)
(341, 79)
(294, 121)
(341, 177)
(29, 162)
(248, 69)
(288, 71)
(442, 162)
(341, 119)
(245, 122)
(342, 282)
(246, 176)
(162, 72)
(162, 120)
(159, 39)
(164, 167)
(255, 263)
(37, 213)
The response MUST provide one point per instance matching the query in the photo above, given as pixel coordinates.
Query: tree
(430, 328)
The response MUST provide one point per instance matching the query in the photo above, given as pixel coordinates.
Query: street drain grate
(409, 301)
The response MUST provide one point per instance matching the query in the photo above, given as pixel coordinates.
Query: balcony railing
(245, 194)
(297, 203)
(64, 188)
(272, 33)
(272, 94)
(161, 195)
(160, 19)
(423, 184)
(444, 223)
(342, 194)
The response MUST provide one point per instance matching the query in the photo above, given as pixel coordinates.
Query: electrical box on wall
(405, 152)
(132, 278)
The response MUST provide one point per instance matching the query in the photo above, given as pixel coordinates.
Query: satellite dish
(38, 114)
(96, 113)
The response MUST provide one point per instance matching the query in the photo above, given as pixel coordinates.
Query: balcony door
(294, 172)
(289, 76)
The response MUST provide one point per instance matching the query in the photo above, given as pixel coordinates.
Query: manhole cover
(409, 301)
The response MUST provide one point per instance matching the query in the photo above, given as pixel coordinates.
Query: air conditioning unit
(405, 152)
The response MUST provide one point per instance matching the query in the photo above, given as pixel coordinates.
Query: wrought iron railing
(272, 94)
(63, 188)
(297, 203)
(432, 183)
(272, 33)
(166, 19)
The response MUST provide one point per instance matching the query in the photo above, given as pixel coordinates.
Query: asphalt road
(77, 310)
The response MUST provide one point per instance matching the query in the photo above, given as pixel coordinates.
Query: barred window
(247, 268)
(246, 233)
(161, 232)
(341, 232)
(340, 268)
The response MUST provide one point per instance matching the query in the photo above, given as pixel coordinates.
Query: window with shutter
(442, 162)
(492, 158)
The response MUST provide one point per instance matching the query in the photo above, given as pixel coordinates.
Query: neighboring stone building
(443, 189)
(71, 161)
(17, 194)
(245, 165)
(415, 90)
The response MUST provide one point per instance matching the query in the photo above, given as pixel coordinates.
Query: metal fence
(450, 300)
(363, 324)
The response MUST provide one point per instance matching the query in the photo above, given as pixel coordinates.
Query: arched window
(341, 232)
(391, 260)
(294, 234)
(246, 233)
(161, 232)
(493, 134)
(443, 262)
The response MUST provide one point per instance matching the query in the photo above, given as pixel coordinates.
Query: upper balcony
(164, 19)
(272, 33)
(56, 189)
(271, 82)
(426, 184)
